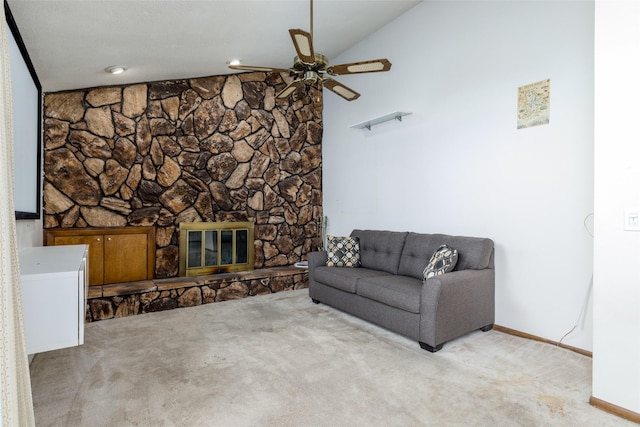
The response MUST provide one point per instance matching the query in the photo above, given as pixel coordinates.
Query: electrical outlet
(632, 219)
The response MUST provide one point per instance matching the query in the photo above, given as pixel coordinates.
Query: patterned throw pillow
(442, 261)
(343, 252)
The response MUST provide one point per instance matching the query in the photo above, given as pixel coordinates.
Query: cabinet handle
(98, 239)
(109, 238)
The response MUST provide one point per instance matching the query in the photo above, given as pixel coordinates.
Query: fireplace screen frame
(200, 237)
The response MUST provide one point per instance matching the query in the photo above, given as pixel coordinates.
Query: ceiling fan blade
(258, 68)
(341, 90)
(290, 88)
(303, 43)
(373, 66)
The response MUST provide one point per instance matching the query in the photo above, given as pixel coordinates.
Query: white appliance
(54, 294)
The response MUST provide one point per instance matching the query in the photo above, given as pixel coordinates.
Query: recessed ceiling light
(116, 69)
(234, 62)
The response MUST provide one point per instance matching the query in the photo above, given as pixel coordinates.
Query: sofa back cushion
(380, 250)
(416, 254)
(473, 252)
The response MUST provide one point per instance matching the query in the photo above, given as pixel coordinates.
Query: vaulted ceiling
(71, 42)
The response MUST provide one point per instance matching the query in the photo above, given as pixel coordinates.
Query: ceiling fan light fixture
(310, 77)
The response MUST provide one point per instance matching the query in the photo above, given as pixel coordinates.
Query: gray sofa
(389, 290)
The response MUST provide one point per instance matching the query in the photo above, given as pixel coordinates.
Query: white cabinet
(54, 290)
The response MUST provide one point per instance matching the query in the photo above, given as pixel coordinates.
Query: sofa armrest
(316, 259)
(456, 303)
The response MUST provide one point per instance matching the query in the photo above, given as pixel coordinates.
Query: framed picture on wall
(533, 104)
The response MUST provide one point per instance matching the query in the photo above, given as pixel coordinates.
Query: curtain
(15, 385)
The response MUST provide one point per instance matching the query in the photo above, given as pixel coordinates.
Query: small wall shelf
(397, 115)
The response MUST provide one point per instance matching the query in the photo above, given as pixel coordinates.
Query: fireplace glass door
(210, 248)
(194, 257)
(242, 249)
(215, 247)
(202, 253)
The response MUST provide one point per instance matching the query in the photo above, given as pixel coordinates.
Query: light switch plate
(632, 219)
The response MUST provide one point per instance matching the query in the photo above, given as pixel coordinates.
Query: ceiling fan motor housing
(320, 65)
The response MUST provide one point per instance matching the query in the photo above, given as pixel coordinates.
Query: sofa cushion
(380, 250)
(442, 261)
(345, 279)
(474, 253)
(343, 252)
(416, 254)
(396, 291)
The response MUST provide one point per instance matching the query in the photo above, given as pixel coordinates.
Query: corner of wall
(29, 233)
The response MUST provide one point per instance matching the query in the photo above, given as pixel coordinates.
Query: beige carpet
(280, 360)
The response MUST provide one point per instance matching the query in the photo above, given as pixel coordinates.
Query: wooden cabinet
(123, 261)
(125, 254)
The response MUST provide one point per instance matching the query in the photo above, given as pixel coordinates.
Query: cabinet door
(96, 254)
(125, 257)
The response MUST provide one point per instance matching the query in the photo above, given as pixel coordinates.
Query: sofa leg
(315, 301)
(487, 328)
(425, 346)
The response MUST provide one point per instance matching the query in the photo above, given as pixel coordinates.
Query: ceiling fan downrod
(311, 20)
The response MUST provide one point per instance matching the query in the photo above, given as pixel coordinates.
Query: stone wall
(219, 148)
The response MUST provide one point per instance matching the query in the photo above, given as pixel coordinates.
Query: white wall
(616, 357)
(458, 164)
(29, 233)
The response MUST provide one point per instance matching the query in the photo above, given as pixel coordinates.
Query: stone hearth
(129, 299)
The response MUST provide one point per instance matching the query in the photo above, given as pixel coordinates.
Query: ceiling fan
(312, 68)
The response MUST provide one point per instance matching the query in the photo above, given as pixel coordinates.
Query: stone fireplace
(202, 150)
